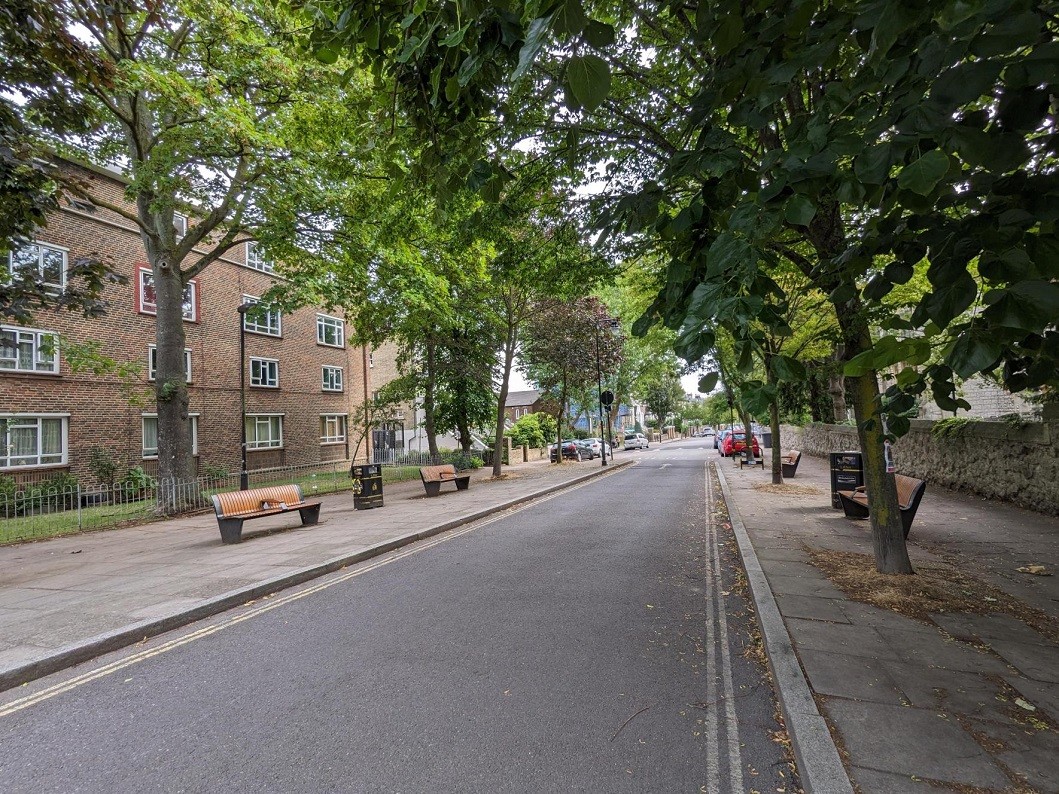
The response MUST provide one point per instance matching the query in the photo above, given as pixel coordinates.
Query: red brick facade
(102, 411)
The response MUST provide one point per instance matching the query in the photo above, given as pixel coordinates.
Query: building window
(150, 435)
(332, 380)
(261, 319)
(332, 429)
(255, 258)
(147, 300)
(32, 441)
(29, 350)
(152, 363)
(371, 360)
(330, 331)
(180, 225)
(264, 431)
(45, 264)
(264, 372)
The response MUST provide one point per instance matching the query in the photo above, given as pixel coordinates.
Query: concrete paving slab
(908, 741)
(1030, 753)
(952, 691)
(803, 586)
(851, 677)
(868, 615)
(872, 780)
(936, 650)
(1038, 661)
(839, 638)
(811, 608)
(1038, 693)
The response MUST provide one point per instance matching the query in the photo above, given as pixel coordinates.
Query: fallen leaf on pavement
(1022, 704)
(1036, 570)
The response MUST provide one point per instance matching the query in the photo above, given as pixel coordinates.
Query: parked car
(707, 431)
(597, 445)
(735, 443)
(718, 440)
(636, 441)
(588, 449)
(571, 449)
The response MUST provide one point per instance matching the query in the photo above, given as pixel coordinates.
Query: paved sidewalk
(914, 705)
(68, 599)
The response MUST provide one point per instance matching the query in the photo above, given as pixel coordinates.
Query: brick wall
(99, 407)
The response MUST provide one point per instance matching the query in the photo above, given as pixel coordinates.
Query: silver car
(636, 441)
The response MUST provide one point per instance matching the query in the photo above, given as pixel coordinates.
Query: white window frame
(63, 456)
(145, 278)
(41, 248)
(371, 361)
(255, 260)
(336, 384)
(254, 327)
(332, 428)
(146, 451)
(267, 381)
(37, 340)
(180, 225)
(326, 321)
(255, 421)
(152, 363)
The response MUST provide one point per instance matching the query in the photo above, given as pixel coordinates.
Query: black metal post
(244, 476)
(599, 394)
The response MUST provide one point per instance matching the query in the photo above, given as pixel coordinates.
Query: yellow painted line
(274, 603)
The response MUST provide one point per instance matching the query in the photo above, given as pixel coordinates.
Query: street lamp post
(244, 477)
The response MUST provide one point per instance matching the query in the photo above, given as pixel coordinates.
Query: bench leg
(463, 483)
(231, 529)
(432, 488)
(853, 509)
(310, 515)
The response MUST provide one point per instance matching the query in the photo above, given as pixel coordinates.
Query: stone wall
(995, 460)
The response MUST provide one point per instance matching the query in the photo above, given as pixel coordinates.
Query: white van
(635, 441)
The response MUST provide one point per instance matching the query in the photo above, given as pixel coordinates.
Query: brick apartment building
(303, 379)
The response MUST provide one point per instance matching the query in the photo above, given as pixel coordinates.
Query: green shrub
(136, 479)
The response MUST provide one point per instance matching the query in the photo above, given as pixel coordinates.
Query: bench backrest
(434, 473)
(906, 489)
(235, 502)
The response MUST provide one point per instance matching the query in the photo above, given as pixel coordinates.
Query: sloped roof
(521, 398)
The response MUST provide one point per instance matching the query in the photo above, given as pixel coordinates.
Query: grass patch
(788, 489)
(933, 588)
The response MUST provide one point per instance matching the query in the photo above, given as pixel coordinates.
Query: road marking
(276, 602)
(717, 613)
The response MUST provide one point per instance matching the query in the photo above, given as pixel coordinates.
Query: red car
(735, 443)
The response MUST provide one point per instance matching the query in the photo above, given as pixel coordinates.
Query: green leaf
(570, 18)
(598, 34)
(452, 89)
(588, 79)
(946, 303)
(971, 355)
(799, 210)
(728, 34)
(965, 82)
(535, 38)
(922, 175)
(787, 368)
(708, 382)
(873, 166)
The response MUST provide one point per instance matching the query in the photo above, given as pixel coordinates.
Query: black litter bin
(847, 474)
(367, 485)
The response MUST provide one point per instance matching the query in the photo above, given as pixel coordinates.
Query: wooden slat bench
(909, 495)
(789, 463)
(434, 476)
(235, 507)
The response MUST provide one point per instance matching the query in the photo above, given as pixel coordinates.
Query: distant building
(303, 378)
(522, 403)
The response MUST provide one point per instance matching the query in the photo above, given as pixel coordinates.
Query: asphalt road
(591, 641)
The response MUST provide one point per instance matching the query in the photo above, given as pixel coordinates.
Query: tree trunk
(176, 464)
(837, 387)
(888, 537)
(428, 402)
(505, 384)
(777, 457)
